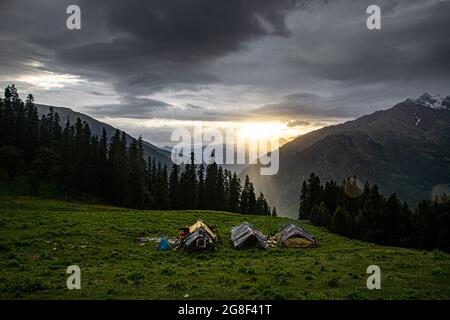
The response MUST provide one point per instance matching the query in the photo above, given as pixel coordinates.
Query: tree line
(82, 164)
(362, 212)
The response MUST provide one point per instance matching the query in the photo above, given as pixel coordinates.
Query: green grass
(41, 237)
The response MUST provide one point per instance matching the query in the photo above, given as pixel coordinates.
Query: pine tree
(192, 176)
(245, 197)
(154, 173)
(201, 187)
(20, 138)
(31, 129)
(211, 186)
(443, 221)
(274, 211)
(149, 175)
(261, 205)
(174, 188)
(188, 185)
(302, 210)
(161, 188)
(8, 121)
(266, 208)
(226, 185)
(235, 194)
(390, 219)
(35, 175)
(117, 165)
(83, 155)
(220, 190)
(313, 195)
(330, 195)
(405, 229)
(65, 181)
(11, 159)
(2, 129)
(135, 190)
(251, 200)
(338, 221)
(102, 169)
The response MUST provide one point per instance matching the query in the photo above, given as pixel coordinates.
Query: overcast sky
(150, 66)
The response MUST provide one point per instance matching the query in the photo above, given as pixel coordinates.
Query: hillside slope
(96, 126)
(41, 237)
(405, 149)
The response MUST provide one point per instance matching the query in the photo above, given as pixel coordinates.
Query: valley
(42, 236)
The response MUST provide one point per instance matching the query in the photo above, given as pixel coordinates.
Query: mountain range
(404, 149)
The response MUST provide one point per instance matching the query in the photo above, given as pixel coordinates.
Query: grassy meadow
(40, 237)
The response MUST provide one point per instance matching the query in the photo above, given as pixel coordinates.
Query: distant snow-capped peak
(435, 102)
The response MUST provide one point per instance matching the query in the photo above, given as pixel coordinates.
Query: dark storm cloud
(366, 70)
(413, 43)
(147, 83)
(141, 38)
(137, 108)
(144, 108)
(319, 51)
(305, 105)
(153, 45)
(345, 104)
(195, 29)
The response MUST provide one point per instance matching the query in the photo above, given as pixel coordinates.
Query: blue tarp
(163, 244)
